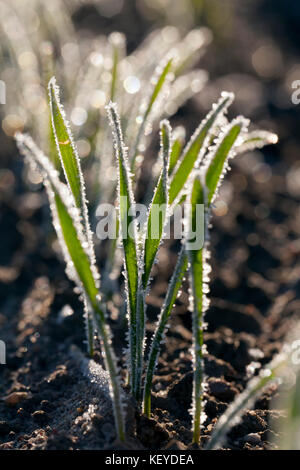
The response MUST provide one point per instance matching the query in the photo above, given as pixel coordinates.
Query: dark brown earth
(46, 402)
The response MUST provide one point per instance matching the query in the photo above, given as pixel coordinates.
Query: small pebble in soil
(15, 398)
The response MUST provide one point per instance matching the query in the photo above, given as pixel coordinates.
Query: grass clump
(190, 174)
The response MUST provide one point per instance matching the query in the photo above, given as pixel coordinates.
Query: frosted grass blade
(256, 140)
(126, 200)
(203, 191)
(285, 435)
(196, 147)
(160, 330)
(217, 161)
(198, 276)
(156, 218)
(67, 222)
(245, 400)
(290, 425)
(65, 145)
(154, 231)
(70, 163)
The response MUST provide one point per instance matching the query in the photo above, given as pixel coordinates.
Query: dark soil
(46, 399)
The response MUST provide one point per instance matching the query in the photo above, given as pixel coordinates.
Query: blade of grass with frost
(245, 400)
(126, 200)
(159, 83)
(256, 140)
(286, 435)
(66, 147)
(217, 160)
(196, 147)
(160, 199)
(154, 231)
(290, 425)
(203, 192)
(67, 222)
(199, 303)
(173, 289)
(70, 162)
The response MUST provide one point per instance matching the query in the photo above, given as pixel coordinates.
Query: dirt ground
(47, 397)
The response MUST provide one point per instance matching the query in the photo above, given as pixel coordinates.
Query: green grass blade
(61, 136)
(65, 145)
(156, 217)
(196, 148)
(67, 222)
(203, 191)
(199, 303)
(290, 425)
(217, 161)
(126, 200)
(173, 289)
(159, 78)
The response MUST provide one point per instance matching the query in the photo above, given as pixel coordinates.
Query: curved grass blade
(70, 162)
(257, 140)
(159, 79)
(245, 401)
(65, 145)
(285, 435)
(69, 158)
(126, 200)
(290, 425)
(196, 147)
(173, 289)
(159, 206)
(67, 223)
(217, 161)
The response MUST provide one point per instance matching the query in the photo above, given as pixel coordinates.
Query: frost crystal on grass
(256, 140)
